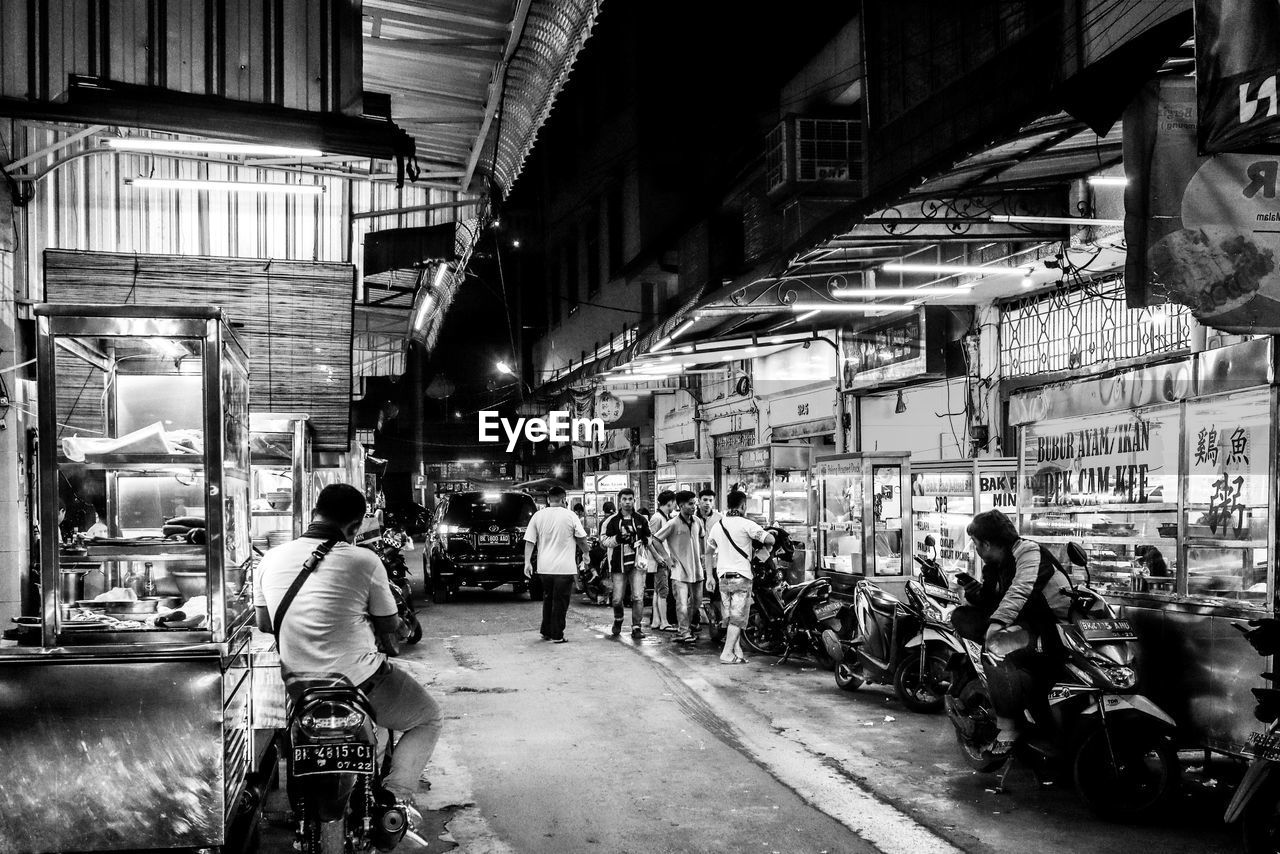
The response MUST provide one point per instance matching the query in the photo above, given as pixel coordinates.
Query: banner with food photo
(1201, 231)
(1237, 59)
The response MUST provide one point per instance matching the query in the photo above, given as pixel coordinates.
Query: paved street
(612, 745)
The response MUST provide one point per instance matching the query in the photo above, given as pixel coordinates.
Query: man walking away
(732, 540)
(662, 562)
(686, 543)
(339, 617)
(557, 535)
(626, 536)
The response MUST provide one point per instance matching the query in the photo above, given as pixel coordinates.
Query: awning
(293, 317)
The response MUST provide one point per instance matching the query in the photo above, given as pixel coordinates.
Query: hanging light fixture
(901, 406)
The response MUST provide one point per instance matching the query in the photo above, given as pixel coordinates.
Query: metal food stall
(604, 486)
(281, 499)
(864, 519)
(776, 481)
(693, 475)
(944, 498)
(1166, 475)
(127, 704)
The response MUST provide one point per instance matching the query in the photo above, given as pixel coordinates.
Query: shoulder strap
(308, 567)
(737, 548)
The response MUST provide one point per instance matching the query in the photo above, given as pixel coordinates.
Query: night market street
(771, 758)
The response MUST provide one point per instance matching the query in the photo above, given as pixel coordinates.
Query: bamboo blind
(293, 318)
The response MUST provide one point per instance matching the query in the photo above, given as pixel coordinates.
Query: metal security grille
(828, 149)
(776, 173)
(1082, 327)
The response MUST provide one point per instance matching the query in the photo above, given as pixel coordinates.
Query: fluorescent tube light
(813, 307)
(896, 293)
(180, 146)
(806, 316)
(423, 307)
(1109, 181)
(229, 186)
(955, 269)
(1053, 220)
(662, 343)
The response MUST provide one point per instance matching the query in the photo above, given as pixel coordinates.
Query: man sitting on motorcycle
(1014, 609)
(343, 624)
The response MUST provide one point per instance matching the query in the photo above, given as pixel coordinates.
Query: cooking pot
(72, 584)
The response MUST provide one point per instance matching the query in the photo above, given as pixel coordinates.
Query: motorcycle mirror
(1076, 555)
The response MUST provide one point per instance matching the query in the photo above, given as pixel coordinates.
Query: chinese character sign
(1226, 467)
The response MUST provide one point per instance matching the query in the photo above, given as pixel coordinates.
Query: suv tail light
(450, 530)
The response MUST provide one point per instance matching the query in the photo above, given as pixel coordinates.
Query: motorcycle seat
(882, 602)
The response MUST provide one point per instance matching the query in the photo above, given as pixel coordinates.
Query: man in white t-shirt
(732, 539)
(342, 624)
(557, 534)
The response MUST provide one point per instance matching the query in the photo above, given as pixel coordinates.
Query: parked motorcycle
(389, 548)
(786, 619)
(898, 643)
(332, 753)
(1256, 803)
(1115, 743)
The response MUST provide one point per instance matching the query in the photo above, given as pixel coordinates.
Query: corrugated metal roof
(463, 74)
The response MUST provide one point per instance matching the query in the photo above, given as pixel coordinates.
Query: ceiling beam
(497, 84)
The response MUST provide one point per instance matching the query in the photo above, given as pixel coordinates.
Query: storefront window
(1109, 482)
(1226, 506)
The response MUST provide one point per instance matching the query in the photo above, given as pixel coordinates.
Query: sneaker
(559, 640)
(637, 632)
(617, 628)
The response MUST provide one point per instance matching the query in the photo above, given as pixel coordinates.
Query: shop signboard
(1227, 444)
(728, 444)
(445, 487)
(1237, 61)
(753, 459)
(1121, 458)
(611, 483)
(1201, 231)
(908, 347)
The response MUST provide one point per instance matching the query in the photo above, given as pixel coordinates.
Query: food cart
(604, 486)
(1166, 475)
(693, 475)
(126, 722)
(281, 499)
(776, 481)
(944, 498)
(864, 519)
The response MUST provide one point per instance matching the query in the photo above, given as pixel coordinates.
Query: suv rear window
(475, 509)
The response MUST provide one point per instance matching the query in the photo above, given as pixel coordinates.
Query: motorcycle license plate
(827, 611)
(1265, 745)
(332, 759)
(493, 539)
(1099, 630)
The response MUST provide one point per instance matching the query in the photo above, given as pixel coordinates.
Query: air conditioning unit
(816, 156)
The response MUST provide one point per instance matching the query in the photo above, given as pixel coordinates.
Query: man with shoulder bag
(330, 606)
(732, 540)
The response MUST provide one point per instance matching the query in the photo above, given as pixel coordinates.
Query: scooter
(390, 550)
(895, 643)
(331, 757)
(1115, 743)
(1256, 803)
(789, 618)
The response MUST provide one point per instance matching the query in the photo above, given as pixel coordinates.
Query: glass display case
(145, 475)
(604, 486)
(864, 517)
(280, 451)
(944, 498)
(779, 492)
(1171, 500)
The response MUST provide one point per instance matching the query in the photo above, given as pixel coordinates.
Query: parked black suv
(478, 541)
